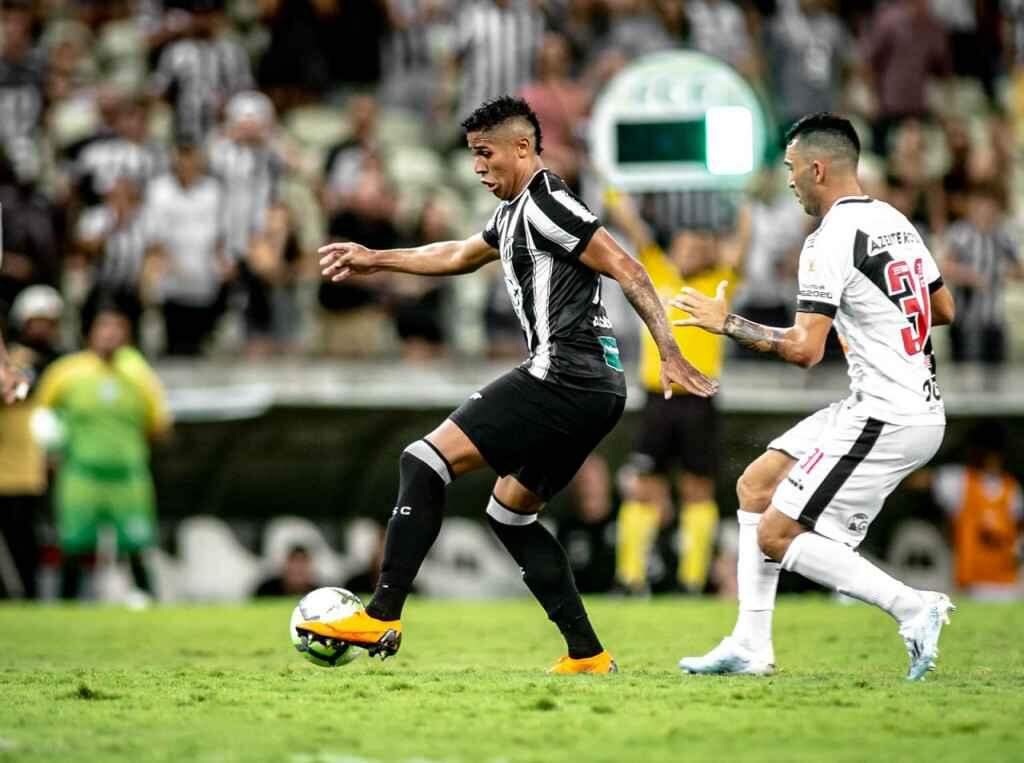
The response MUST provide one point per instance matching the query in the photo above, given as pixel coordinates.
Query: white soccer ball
(324, 605)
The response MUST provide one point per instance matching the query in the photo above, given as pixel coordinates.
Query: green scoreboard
(678, 120)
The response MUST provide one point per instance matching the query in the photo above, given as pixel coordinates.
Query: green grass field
(223, 684)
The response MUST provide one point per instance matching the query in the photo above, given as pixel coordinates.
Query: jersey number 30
(906, 285)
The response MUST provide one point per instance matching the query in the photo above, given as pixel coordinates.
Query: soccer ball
(324, 604)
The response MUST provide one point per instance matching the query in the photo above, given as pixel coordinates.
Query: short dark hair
(827, 130)
(490, 114)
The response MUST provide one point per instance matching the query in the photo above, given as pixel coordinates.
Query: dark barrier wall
(330, 464)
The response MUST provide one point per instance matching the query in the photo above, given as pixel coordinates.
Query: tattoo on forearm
(753, 336)
(641, 295)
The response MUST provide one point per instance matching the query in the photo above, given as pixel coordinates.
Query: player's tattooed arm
(753, 336)
(604, 255)
(802, 344)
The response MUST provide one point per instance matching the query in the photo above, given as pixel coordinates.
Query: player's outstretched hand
(677, 370)
(705, 312)
(13, 382)
(339, 261)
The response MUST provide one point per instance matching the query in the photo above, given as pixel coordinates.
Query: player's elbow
(943, 310)
(806, 356)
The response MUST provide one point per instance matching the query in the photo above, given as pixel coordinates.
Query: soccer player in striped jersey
(535, 425)
(806, 503)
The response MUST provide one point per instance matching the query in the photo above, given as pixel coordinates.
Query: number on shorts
(812, 460)
(906, 282)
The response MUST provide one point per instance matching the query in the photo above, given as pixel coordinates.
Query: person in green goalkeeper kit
(98, 409)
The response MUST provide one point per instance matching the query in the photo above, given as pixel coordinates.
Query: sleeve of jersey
(932, 276)
(490, 232)
(562, 220)
(823, 272)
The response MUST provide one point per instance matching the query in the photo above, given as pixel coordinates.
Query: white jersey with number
(867, 268)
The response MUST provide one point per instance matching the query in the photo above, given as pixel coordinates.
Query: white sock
(844, 570)
(756, 581)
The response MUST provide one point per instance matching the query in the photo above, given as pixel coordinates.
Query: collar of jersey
(526, 187)
(862, 198)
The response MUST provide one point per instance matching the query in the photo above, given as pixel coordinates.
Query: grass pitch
(224, 684)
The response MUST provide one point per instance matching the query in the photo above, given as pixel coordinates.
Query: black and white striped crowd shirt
(201, 75)
(540, 235)
(991, 255)
(123, 247)
(104, 161)
(497, 45)
(249, 175)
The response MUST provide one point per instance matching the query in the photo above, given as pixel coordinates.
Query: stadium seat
(217, 567)
(416, 167)
(398, 128)
(319, 126)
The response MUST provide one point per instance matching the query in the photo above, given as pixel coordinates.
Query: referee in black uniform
(536, 424)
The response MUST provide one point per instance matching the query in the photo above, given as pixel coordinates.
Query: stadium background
(302, 397)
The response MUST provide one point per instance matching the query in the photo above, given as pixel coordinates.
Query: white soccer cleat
(921, 633)
(730, 657)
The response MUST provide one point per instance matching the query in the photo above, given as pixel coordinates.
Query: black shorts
(682, 430)
(538, 431)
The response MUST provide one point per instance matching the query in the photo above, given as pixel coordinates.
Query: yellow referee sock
(637, 528)
(697, 524)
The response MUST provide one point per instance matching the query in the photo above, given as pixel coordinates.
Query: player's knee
(421, 459)
(754, 492)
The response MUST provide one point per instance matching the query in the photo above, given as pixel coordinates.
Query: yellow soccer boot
(382, 637)
(599, 663)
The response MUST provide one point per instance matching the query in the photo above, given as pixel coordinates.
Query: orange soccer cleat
(599, 663)
(382, 637)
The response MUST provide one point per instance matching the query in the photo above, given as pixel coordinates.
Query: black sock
(413, 527)
(547, 574)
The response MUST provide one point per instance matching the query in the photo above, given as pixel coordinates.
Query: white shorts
(847, 464)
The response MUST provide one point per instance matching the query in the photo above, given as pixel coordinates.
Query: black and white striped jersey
(990, 254)
(540, 235)
(123, 246)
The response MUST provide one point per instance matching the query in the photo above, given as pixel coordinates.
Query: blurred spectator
(296, 578)
(979, 258)
(561, 106)
(345, 159)
(905, 47)
(98, 409)
(35, 318)
(587, 531)
(113, 238)
(123, 150)
(31, 248)
(808, 52)
(418, 300)
(635, 28)
(355, 321)
(272, 267)
(419, 29)
(719, 28)
(22, 72)
(973, 26)
(185, 220)
(201, 71)
(957, 179)
(249, 168)
(775, 228)
(983, 503)
(912, 172)
(495, 49)
(585, 24)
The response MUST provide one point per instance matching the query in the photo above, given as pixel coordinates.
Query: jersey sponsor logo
(611, 352)
(815, 291)
(896, 238)
(401, 511)
(602, 322)
(476, 396)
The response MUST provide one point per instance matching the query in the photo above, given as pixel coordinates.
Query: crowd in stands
(192, 154)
